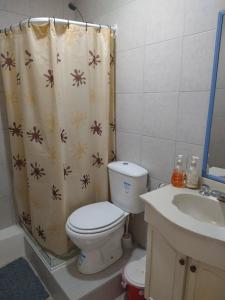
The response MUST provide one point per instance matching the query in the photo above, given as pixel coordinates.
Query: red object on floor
(135, 293)
(134, 276)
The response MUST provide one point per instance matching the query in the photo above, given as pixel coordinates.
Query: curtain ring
(54, 20)
(5, 31)
(10, 28)
(100, 27)
(20, 25)
(68, 24)
(49, 21)
(28, 22)
(86, 26)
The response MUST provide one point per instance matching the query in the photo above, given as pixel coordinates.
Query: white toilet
(97, 229)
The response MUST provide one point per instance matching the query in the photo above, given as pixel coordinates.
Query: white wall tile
(197, 61)
(129, 71)
(165, 20)
(201, 15)
(129, 112)
(192, 113)
(131, 25)
(160, 115)
(157, 156)
(6, 213)
(18, 7)
(5, 179)
(130, 21)
(70, 14)
(162, 66)
(89, 10)
(47, 8)
(155, 183)
(92, 10)
(8, 18)
(128, 147)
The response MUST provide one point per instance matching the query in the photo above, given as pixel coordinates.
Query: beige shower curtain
(59, 90)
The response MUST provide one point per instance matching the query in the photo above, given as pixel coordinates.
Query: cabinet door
(167, 270)
(204, 282)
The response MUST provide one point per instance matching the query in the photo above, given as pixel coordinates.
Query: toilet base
(96, 260)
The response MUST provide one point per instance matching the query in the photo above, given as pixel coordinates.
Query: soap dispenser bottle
(178, 176)
(192, 176)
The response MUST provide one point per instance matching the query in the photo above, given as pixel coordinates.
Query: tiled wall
(11, 12)
(164, 63)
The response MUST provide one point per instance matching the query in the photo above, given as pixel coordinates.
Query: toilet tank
(127, 181)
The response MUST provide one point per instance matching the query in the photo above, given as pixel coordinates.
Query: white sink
(201, 208)
(189, 210)
(194, 225)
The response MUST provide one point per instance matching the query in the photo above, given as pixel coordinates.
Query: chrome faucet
(206, 191)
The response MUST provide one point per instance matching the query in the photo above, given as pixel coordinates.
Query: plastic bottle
(178, 175)
(192, 179)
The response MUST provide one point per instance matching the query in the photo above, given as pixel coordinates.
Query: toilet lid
(95, 216)
(134, 272)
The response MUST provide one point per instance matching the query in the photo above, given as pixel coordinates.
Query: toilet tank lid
(127, 168)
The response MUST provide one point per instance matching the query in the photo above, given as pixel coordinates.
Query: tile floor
(122, 297)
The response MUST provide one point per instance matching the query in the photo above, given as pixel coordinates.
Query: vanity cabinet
(173, 276)
(204, 282)
(167, 270)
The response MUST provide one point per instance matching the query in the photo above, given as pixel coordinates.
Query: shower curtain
(59, 90)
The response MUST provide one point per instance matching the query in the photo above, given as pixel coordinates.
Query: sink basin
(201, 208)
(191, 223)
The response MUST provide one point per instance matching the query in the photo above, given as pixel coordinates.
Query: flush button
(125, 163)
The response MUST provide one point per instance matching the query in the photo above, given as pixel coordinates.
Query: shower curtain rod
(56, 20)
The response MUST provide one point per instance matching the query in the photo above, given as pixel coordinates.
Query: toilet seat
(96, 218)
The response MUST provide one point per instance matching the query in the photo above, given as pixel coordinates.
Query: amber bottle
(178, 175)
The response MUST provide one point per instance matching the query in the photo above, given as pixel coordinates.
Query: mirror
(214, 152)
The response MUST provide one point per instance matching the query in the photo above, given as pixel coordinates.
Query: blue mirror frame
(212, 100)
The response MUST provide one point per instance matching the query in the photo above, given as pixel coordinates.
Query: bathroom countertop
(161, 200)
(186, 234)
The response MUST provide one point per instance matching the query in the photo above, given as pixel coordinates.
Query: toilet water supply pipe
(126, 233)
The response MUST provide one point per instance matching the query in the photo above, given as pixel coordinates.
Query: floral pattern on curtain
(59, 91)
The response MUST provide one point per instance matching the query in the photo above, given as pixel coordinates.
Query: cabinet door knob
(182, 262)
(193, 269)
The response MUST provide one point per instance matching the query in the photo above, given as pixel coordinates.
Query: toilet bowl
(97, 229)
